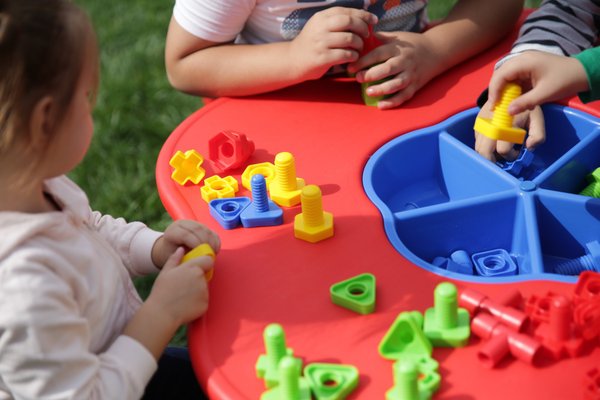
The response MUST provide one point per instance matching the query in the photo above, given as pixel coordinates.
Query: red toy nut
(588, 287)
(229, 149)
(502, 341)
(474, 301)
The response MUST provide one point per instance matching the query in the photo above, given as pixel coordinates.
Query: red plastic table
(265, 275)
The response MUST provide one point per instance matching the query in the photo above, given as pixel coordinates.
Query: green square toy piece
(331, 381)
(356, 294)
(446, 325)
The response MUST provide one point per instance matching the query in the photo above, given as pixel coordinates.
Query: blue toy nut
(495, 262)
(227, 211)
(262, 211)
(460, 262)
(521, 163)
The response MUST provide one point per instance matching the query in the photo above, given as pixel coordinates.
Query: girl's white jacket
(65, 297)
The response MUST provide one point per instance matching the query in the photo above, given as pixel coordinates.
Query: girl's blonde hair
(44, 45)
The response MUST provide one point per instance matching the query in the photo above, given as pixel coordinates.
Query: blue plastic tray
(437, 195)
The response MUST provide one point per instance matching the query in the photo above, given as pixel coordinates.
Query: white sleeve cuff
(141, 252)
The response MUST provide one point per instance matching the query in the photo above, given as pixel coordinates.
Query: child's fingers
(349, 19)
(344, 40)
(507, 150)
(485, 146)
(537, 130)
(174, 259)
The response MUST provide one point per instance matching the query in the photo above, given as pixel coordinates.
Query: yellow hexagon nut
(216, 187)
(187, 167)
(313, 224)
(266, 169)
(500, 127)
(202, 250)
(286, 187)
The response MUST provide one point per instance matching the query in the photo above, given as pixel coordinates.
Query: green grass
(136, 110)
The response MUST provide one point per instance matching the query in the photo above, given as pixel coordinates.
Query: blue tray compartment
(437, 195)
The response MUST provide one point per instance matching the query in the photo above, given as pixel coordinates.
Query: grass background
(137, 109)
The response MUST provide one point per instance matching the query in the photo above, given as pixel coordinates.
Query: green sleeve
(591, 63)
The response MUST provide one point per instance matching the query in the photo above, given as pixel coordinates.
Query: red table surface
(265, 275)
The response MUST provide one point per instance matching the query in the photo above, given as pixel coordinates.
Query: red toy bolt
(474, 301)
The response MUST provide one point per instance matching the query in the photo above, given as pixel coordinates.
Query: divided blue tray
(437, 196)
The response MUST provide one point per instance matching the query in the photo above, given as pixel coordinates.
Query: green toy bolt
(267, 366)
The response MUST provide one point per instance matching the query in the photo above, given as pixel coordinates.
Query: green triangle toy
(405, 336)
(331, 381)
(356, 294)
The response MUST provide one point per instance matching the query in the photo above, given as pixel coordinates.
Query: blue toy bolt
(588, 262)
(262, 211)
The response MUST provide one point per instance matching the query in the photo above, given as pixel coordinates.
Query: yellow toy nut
(187, 167)
(266, 169)
(202, 250)
(216, 187)
(313, 224)
(500, 126)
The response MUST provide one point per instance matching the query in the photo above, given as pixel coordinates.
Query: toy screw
(588, 262)
(259, 193)
(500, 126)
(274, 338)
(285, 170)
(289, 379)
(445, 303)
(406, 379)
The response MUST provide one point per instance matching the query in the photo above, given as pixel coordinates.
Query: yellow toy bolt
(286, 187)
(313, 224)
(199, 251)
(500, 126)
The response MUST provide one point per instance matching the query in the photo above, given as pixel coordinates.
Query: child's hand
(183, 233)
(544, 77)
(331, 37)
(405, 58)
(489, 148)
(181, 291)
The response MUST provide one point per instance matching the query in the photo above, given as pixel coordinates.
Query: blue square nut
(495, 262)
(227, 211)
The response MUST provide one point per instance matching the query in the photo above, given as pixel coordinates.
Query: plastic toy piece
(460, 262)
(494, 263)
(267, 365)
(262, 211)
(331, 381)
(227, 211)
(187, 167)
(593, 189)
(537, 308)
(446, 325)
(216, 187)
(356, 294)
(587, 262)
(475, 302)
(202, 250)
(559, 335)
(500, 126)
(291, 385)
(229, 150)
(586, 316)
(266, 169)
(502, 341)
(312, 224)
(405, 336)
(286, 187)
(591, 385)
(519, 165)
(370, 44)
(429, 378)
(588, 287)
(407, 382)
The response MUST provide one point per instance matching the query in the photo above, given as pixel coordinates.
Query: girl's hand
(183, 233)
(407, 62)
(331, 37)
(181, 291)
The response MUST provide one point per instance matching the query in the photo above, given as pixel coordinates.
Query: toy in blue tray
(437, 195)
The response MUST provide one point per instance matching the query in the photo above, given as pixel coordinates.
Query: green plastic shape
(267, 365)
(331, 381)
(446, 325)
(407, 382)
(405, 336)
(356, 294)
(429, 378)
(291, 385)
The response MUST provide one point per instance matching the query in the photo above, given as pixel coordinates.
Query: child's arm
(412, 59)
(198, 66)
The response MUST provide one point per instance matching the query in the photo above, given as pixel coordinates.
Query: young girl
(71, 323)
(239, 48)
